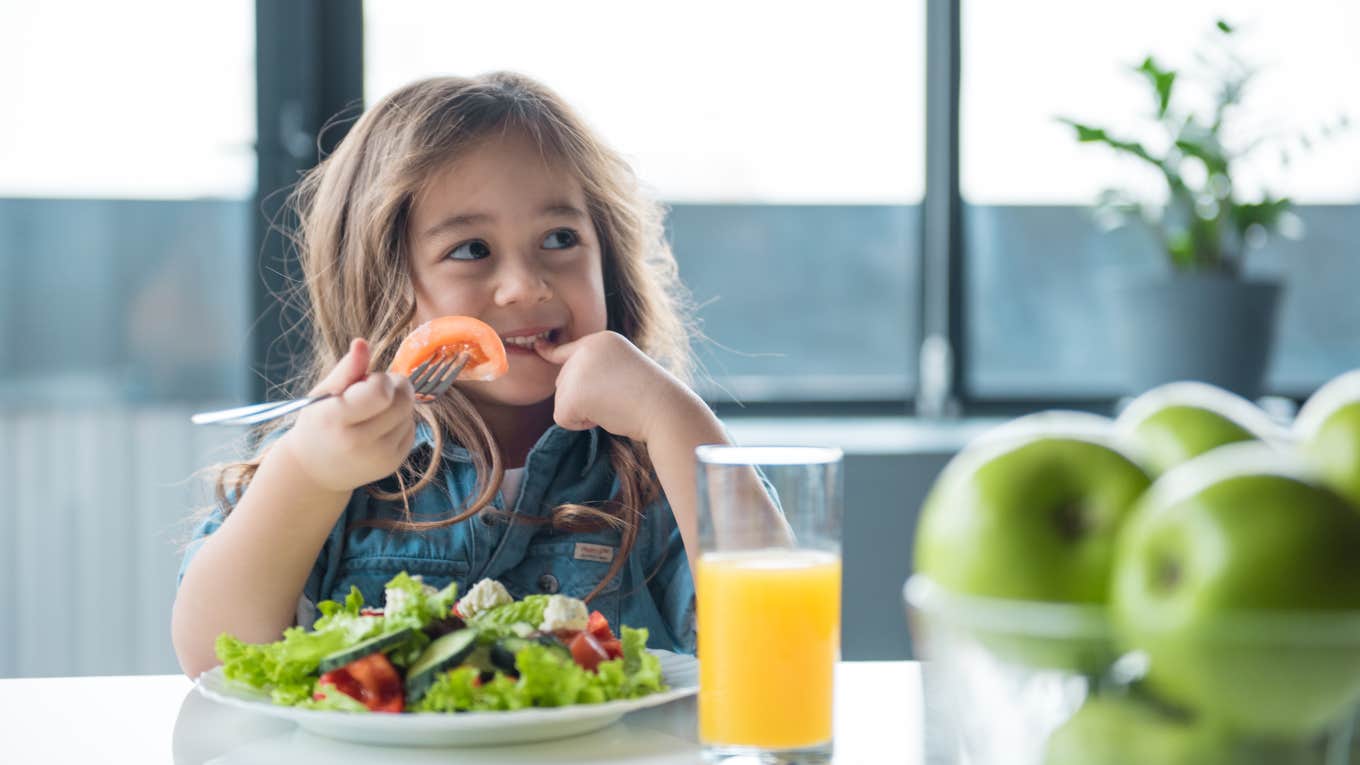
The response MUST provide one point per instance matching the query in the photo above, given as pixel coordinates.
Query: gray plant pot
(1213, 329)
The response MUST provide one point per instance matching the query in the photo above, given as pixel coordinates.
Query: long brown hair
(350, 240)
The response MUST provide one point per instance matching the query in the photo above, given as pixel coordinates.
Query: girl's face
(503, 235)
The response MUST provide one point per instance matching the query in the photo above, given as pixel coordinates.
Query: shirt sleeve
(214, 519)
(210, 523)
(671, 583)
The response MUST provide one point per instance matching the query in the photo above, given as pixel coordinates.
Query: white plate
(680, 672)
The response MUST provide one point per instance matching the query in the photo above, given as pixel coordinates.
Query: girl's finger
(391, 418)
(402, 431)
(380, 426)
(566, 416)
(364, 401)
(556, 354)
(351, 368)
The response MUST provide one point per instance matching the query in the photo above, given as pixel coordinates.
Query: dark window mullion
(309, 68)
(941, 374)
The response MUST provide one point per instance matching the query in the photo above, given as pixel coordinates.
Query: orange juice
(769, 636)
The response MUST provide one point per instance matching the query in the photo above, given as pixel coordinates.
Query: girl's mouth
(524, 343)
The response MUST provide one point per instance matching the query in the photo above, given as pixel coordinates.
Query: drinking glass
(769, 601)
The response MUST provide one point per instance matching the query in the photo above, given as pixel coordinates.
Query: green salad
(428, 651)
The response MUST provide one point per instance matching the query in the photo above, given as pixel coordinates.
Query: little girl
(573, 473)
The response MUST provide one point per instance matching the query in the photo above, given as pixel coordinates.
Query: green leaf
(497, 622)
(643, 669)
(460, 690)
(549, 678)
(1266, 214)
(1224, 27)
(332, 611)
(1091, 134)
(287, 668)
(1162, 81)
(417, 606)
(451, 692)
(1208, 153)
(1181, 247)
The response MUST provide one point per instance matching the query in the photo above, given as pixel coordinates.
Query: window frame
(309, 87)
(310, 84)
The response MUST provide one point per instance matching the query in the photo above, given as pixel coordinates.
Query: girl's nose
(519, 282)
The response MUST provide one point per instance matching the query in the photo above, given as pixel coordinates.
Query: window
(1035, 260)
(790, 153)
(127, 169)
(126, 166)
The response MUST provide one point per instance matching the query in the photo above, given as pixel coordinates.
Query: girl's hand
(362, 434)
(605, 380)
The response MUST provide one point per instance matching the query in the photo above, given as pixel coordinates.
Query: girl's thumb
(351, 368)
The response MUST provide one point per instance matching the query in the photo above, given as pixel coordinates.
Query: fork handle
(430, 382)
(255, 413)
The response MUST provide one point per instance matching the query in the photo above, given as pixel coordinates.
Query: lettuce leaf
(499, 621)
(547, 678)
(416, 607)
(458, 690)
(334, 615)
(642, 670)
(288, 668)
(453, 691)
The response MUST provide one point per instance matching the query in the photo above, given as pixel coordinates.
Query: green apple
(1127, 730)
(1328, 431)
(1122, 730)
(1178, 421)
(1239, 581)
(1030, 512)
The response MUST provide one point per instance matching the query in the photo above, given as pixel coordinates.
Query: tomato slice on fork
(448, 336)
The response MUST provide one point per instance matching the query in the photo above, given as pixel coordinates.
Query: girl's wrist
(287, 452)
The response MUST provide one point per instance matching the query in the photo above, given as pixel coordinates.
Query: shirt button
(548, 583)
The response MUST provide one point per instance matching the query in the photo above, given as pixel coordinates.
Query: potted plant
(1209, 320)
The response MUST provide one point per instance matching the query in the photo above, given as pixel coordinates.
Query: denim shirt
(653, 589)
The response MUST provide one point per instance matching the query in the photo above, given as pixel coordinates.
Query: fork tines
(434, 378)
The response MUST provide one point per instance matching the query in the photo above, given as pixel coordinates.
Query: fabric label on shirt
(597, 553)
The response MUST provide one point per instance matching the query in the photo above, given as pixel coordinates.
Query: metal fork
(431, 380)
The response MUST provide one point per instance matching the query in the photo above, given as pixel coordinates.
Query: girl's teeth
(526, 341)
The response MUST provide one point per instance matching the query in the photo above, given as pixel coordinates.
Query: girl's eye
(560, 239)
(473, 250)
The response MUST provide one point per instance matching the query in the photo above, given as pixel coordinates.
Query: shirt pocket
(569, 567)
(371, 573)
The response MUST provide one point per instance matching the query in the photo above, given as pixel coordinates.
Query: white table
(161, 719)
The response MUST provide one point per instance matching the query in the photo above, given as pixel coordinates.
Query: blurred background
(891, 236)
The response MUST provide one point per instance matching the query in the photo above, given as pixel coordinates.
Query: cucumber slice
(504, 651)
(440, 656)
(360, 650)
